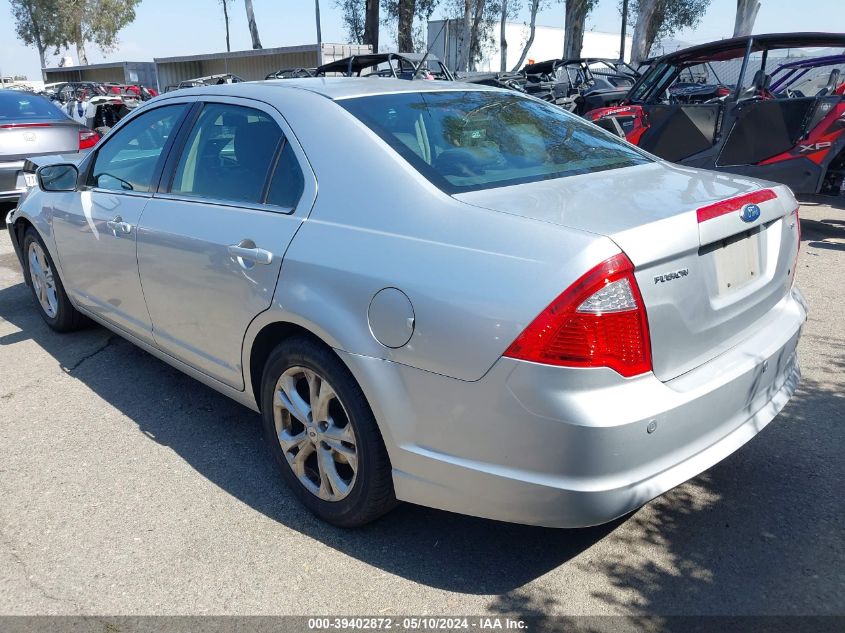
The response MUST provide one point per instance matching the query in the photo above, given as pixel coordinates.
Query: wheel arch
(271, 333)
(270, 336)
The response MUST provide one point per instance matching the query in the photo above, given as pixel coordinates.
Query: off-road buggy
(769, 106)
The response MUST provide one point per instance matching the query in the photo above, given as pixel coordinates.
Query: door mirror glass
(61, 177)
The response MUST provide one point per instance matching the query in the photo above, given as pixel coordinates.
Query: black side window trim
(168, 171)
(162, 159)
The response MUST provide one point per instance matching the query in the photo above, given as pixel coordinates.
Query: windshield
(470, 140)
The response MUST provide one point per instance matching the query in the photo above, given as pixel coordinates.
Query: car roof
(337, 88)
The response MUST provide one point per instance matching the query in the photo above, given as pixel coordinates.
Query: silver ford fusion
(456, 296)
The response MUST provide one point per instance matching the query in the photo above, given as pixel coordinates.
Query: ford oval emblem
(750, 212)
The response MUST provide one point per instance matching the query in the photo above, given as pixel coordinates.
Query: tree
(503, 39)
(509, 9)
(406, 25)
(657, 19)
(532, 29)
(38, 23)
(317, 17)
(353, 17)
(573, 35)
(405, 13)
(253, 27)
(371, 24)
(97, 21)
(746, 13)
(225, 4)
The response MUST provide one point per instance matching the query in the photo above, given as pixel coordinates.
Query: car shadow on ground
(758, 533)
(222, 441)
(822, 233)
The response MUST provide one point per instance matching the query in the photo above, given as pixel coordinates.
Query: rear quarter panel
(475, 277)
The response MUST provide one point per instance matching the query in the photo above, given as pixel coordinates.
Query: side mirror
(60, 177)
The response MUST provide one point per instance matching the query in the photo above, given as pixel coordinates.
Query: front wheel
(323, 435)
(47, 289)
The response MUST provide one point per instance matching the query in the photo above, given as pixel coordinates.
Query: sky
(165, 28)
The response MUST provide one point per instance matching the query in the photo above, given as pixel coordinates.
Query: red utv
(770, 106)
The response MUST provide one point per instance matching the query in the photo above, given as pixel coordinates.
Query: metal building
(251, 65)
(118, 72)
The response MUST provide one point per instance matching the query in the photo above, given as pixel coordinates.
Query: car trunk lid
(19, 140)
(706, 274)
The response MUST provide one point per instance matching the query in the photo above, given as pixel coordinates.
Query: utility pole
(624, 26)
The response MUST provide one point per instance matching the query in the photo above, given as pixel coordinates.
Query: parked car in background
(492, 307)
(32, 126)
(770, 106)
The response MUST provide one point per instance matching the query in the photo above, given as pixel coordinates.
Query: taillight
(88, 139)
(599, 321)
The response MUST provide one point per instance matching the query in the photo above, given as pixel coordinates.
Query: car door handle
(251, 254)
(119, 226)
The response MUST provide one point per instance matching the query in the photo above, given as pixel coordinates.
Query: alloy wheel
(315, 433)
(43, 282)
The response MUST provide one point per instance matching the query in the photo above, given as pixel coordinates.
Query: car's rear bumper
(571, 447)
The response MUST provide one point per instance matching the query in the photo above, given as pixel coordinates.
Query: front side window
(127, 162)
(228, 154)
(470, 140)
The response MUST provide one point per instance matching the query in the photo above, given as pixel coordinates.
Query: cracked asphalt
(128, 488)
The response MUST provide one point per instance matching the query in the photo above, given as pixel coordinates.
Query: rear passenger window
(288, 182)
(228, 154)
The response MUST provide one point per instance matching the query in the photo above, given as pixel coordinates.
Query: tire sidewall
(62, 301)
(311, 355)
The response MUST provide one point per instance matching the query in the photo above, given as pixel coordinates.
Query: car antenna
(425, 57)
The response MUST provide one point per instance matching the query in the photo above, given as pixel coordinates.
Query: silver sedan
(456, 296)
(32, 126)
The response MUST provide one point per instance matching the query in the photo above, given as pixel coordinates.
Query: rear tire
(52, 301)
(323, 435)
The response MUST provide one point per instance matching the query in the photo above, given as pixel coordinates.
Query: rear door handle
(119, 226)
(243, 251)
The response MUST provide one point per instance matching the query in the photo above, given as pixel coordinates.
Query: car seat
(759, 86)
(832, 84)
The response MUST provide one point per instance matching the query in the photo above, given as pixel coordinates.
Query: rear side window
(288, 182)
(228, 154)
(470, 140)
(19, 106)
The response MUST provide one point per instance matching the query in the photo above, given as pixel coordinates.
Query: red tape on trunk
(734, 204)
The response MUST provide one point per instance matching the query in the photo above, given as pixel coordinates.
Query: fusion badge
(675, 274)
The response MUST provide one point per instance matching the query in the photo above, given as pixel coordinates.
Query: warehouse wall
(250, 65)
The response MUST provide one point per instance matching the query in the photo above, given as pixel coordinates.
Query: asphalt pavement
(129, 488)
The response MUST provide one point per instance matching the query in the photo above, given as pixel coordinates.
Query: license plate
(30, 179)
(737, 264)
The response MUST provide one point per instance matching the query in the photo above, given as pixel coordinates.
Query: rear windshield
(470, 140)
(21, 106)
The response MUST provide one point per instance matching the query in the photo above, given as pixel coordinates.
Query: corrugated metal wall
(119, 72)
(250, 65)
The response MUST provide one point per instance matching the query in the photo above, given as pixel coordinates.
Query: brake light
(599, 321)
(13, 126)
(88, 139)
